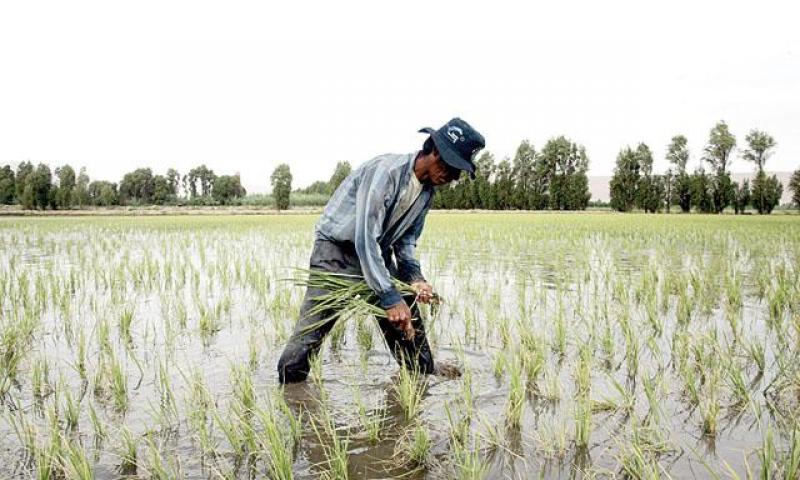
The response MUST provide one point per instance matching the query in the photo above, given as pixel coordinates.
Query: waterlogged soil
(210, 296)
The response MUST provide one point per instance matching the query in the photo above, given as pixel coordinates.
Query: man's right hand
(400, 316)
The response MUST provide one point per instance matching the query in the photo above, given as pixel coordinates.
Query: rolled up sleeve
(372, 197)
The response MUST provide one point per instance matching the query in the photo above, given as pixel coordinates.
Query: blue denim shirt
(359, 212)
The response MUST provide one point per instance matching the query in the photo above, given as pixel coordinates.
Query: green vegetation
(591, 344)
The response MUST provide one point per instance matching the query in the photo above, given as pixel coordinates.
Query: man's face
(442, 173)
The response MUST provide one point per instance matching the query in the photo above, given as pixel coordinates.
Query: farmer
(370, 228)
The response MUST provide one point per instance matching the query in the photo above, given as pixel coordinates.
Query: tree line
(553, 178)
(40, 188)
(634, 185)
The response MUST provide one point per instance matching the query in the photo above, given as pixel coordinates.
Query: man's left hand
(424, 291)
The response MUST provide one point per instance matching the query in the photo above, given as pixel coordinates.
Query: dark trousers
(338, 257)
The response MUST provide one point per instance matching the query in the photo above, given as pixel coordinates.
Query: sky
(245, 86)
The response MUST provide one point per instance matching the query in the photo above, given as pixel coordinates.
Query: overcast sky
(244, 86)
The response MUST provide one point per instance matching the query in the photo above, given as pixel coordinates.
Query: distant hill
(598, 185)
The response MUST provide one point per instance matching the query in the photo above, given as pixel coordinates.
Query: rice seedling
(333, 444)
(516, 396)
(127, 452)
(410, 389)
(412, 448)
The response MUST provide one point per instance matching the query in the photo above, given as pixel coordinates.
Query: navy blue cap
(458, 143)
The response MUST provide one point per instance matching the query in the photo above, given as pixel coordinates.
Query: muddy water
(92, 272)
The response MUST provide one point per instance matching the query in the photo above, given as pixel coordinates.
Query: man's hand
(400, 316)
(424, 291)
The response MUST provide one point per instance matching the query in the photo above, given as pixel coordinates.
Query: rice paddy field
(592, 346)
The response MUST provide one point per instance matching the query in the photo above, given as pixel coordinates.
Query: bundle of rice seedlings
(349, 296)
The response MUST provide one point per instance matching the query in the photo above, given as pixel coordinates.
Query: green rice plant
(125, 322)
(334, 446)
(155, 466)
(24, 430)
(364, 336)
(627, 398)
(499, 364)
(276, 443)
(75, 464)
(652, 390)
(552, 386)
(80, 361)
(119, 385)
(70, 409)
(756, 350)
(560, 333)
(709, 410)
(469, 465)
(552, 439)
(348, 296)
(583, 423)
(412, 449)
(768, 455)
(40, 382)
(737, 385)
(127, 452)
(97, 424)
(410, 389)
(583, 370)
(336, 336)
(791, 464)
(516, 396)
(167, 402)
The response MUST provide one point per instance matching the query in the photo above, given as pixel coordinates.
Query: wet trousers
(339, 257)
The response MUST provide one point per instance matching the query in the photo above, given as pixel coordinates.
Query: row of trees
(553, 178)
(39, 188)
(634, 185)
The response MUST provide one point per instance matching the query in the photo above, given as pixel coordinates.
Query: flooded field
(592, 346)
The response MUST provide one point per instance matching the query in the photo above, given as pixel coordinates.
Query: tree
(173, 181)
(723, 191)
(103, 193)
(24, 169)
(649, 188)
(161, 190)
(40, 183)
(341, 172)
(80, 196)
(794, 186)
(702, 198)
(718, 154)
(281, 180)
(678, 155)
(227, 187)
(7, 185)
(66, 184)
(523, 176)
(480, 192)
(766, 190)
(137, 186)
(562, 165)
(742, 197)
(759, 148)
(503, 185)
(625, 180)
(205, 177)
(669, 194)
(720, 145)
(766, 194)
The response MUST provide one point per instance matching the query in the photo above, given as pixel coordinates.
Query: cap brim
(448, 154)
